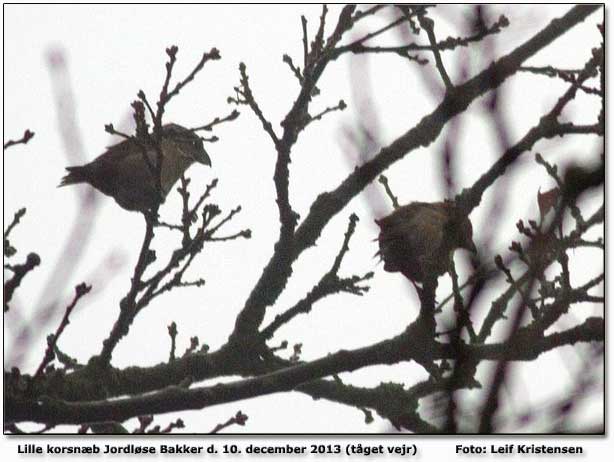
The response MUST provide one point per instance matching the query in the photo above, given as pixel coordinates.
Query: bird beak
(203, 158)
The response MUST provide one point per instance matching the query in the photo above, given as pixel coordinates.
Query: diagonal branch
(328, 204)
(80, 290)
(428, 25)
(329, 284)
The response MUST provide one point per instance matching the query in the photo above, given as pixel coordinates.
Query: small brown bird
(122, 172)
(418, 239)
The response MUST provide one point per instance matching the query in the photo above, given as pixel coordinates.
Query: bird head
(465, 236)
(460, 228)
(189, 144)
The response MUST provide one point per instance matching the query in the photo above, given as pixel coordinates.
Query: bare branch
(19, 272)
(27, 136)
(80, 290)
(238, 419)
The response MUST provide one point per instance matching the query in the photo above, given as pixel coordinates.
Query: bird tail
(75, 175)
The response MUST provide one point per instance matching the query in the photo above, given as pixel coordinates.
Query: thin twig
(384, 182)
(208, 127)
(238, 419)
(27, 136)
(80, 290)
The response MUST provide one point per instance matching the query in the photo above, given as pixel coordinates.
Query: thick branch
(177, 398)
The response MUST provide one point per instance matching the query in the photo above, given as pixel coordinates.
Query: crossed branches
(169, 387)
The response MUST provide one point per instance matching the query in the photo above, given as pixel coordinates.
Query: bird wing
(118, 151)
(418, 226)
(122, 173)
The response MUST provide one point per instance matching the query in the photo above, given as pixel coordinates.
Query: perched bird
(418, 239)
(122, 172)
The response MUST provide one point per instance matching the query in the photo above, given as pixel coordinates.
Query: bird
(123, 173)
(419, 239)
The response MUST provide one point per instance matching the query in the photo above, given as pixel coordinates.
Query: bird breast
(174, 165)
